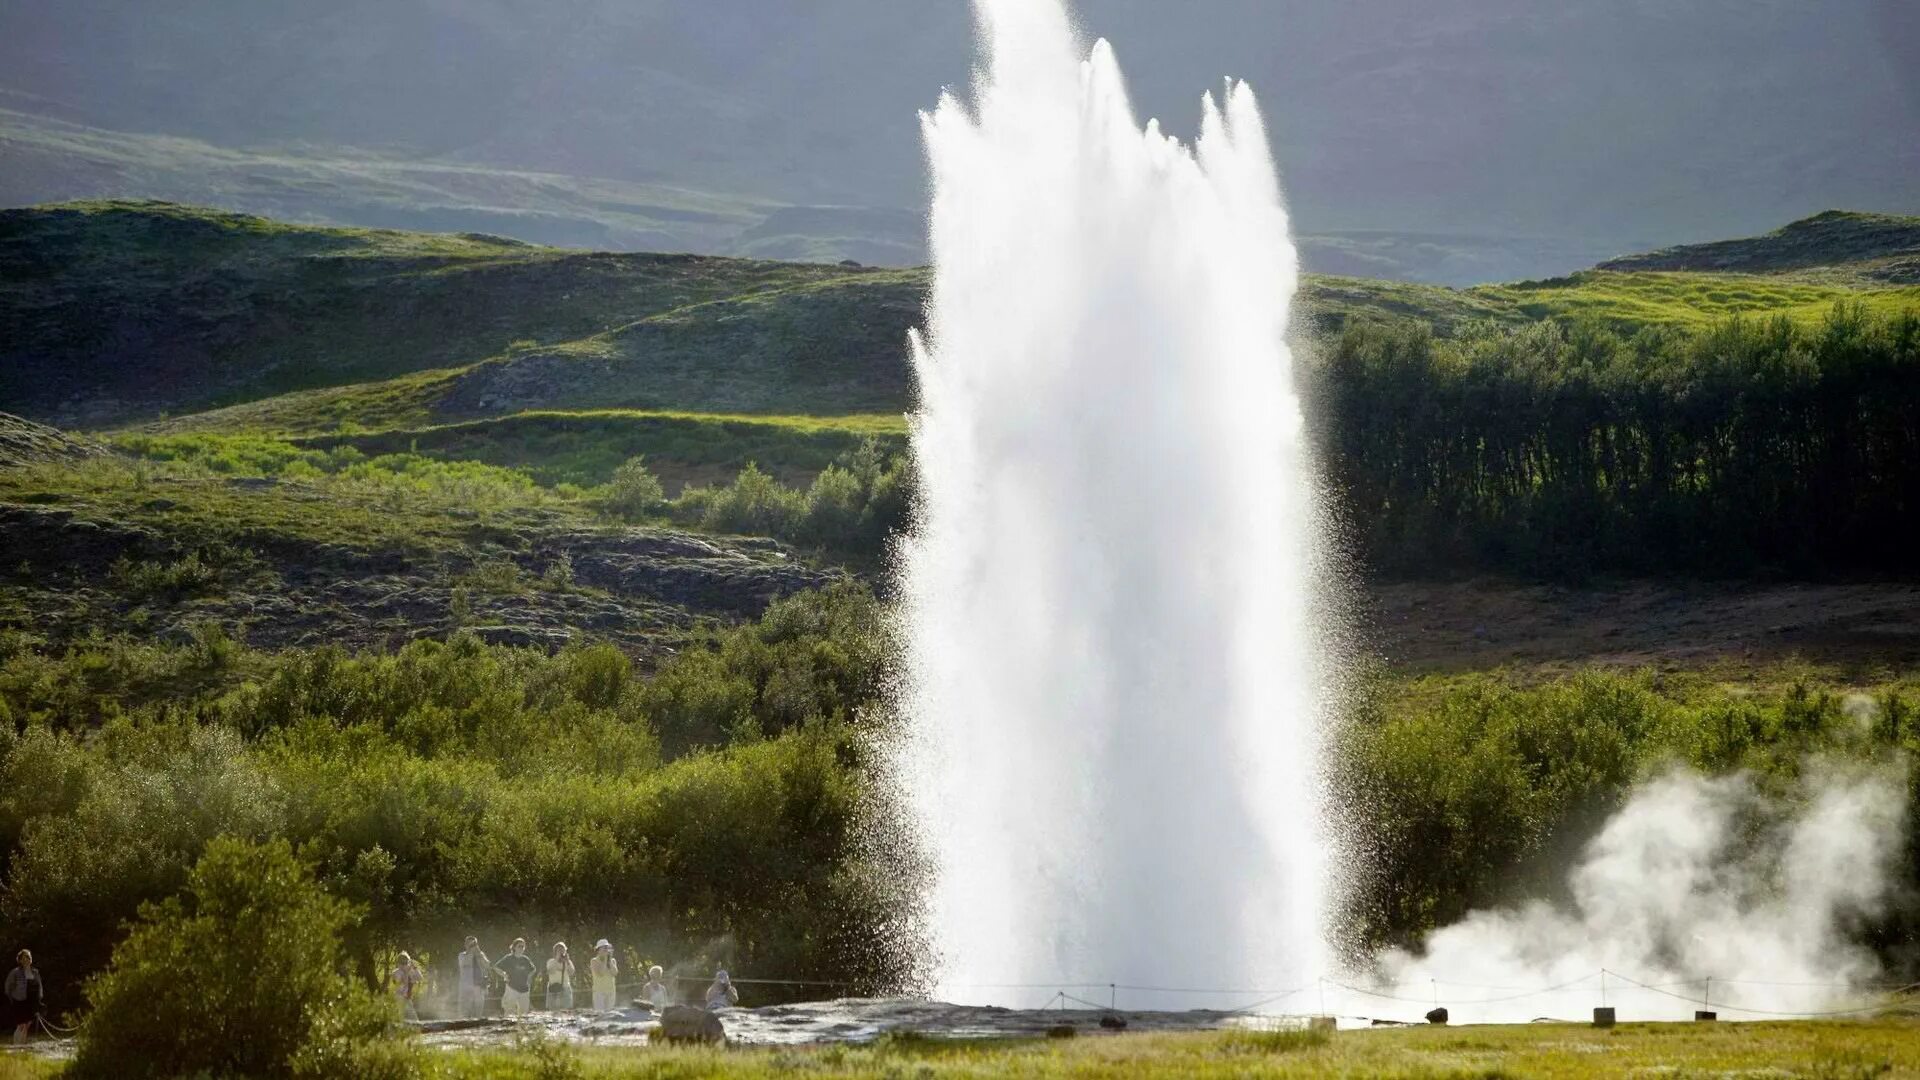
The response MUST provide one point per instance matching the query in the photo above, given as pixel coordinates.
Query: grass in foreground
(1889, 1047)
(1882, 1048)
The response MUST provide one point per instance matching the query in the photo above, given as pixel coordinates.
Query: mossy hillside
(119, 310)
(23, 442)
(287, 546)
(826, 348)
(1882, 247)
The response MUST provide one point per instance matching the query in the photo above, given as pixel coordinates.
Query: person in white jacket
(560, 978)
(605, 971)
(474, 971)
(656, 992)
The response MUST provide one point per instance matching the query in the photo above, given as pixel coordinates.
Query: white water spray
(1111, 666)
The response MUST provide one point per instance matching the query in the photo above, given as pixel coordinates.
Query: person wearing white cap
(722, 993)
(606, 975)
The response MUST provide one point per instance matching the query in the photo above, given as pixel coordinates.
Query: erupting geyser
(1112, 676)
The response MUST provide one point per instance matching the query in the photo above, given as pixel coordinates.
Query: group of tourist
(23, 996)
(474, 973)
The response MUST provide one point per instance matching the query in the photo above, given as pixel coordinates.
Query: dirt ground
(1480, 624)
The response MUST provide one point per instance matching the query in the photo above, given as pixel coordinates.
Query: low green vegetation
(584, 448)
(849, 507)
(261, 493)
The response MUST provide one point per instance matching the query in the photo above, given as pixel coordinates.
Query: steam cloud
(1695, 878)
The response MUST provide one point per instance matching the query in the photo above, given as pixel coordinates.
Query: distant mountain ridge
(56, 160)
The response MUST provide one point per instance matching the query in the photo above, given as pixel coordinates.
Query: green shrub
(142, 581)
(635, 493)
(835, 506)
(559, 573)
(755, 505)
(240, 975)
(498, 577)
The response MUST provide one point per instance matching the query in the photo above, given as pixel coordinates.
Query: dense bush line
(1749, 447)
(705, 813)
(709, 811)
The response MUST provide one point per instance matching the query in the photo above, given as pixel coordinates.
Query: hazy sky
(1583, 119)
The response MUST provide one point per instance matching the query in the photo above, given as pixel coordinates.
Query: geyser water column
(1111, 667)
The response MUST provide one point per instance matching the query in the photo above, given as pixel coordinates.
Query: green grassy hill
(1876, 247)
(120, 313)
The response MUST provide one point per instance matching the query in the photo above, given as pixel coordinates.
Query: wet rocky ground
(847, 1020)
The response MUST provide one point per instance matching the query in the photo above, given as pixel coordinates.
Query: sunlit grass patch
(1673, 298)
(1552, 1051)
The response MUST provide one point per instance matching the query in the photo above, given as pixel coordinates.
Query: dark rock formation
(689, 1024)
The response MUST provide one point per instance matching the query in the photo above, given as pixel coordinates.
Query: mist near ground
(1452, 140)
(1700, 893)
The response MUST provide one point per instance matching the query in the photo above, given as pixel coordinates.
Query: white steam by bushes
(1696, 878)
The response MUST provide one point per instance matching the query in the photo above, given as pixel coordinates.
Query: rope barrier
(1472, 1001)
(1745, 1009)
(52, 1029)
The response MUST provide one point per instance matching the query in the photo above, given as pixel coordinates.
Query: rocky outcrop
(648, 591)
(738, 577)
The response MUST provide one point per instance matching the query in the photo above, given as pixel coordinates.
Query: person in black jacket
(24, 997)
